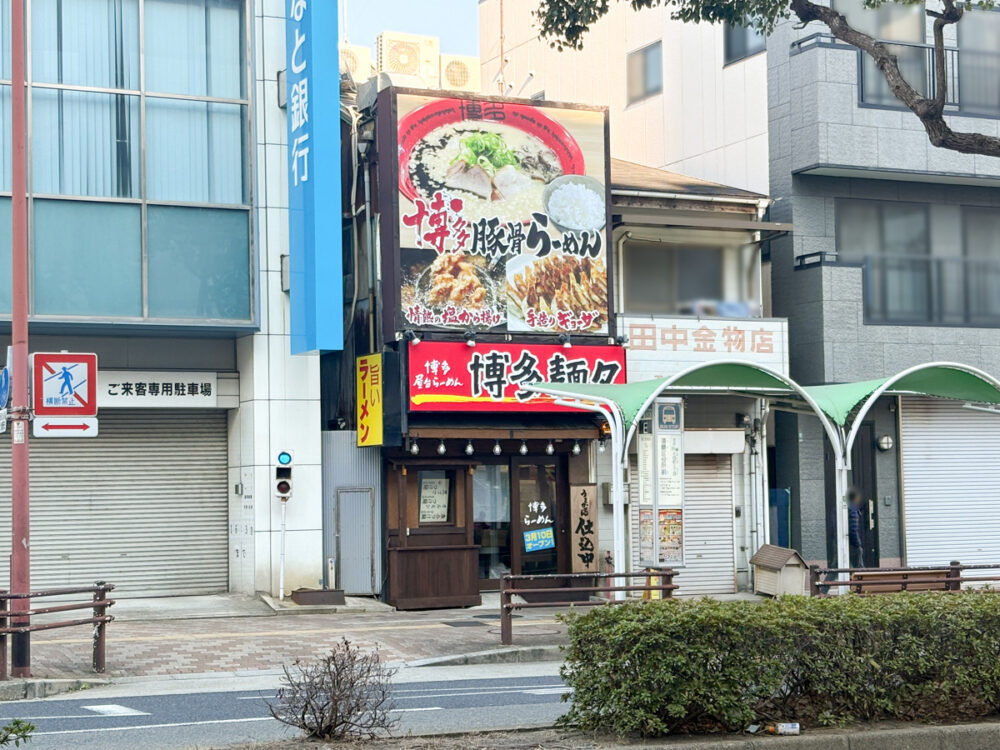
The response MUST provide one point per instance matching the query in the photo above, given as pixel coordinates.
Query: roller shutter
(144, 505)
(709, 556)
(951, 482)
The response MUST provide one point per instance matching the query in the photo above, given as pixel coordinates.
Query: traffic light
(283, 475)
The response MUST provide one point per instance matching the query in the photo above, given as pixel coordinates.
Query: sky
(455, 22)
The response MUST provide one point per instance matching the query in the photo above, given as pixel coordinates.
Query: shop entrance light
(497, 450)
(576, 448)
(523, 450)
(550, 449)
(469, 450)
(414, 447)
(441, 448)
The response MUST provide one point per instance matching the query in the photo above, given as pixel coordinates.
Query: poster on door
(583, 520)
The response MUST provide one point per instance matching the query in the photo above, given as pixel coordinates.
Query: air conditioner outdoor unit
(460, 73)
(409, 54)
(357, 61)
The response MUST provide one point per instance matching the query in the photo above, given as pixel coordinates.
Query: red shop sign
(489, 377)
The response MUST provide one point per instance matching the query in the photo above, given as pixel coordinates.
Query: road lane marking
(472, 695)
(426, 708)
(478, 687)
(154, 726)
(113, 709)
(52, 718)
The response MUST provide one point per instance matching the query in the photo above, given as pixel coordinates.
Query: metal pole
(619, 459)
(281, 568)
(20, 558)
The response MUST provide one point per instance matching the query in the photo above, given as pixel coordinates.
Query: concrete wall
(709, 122)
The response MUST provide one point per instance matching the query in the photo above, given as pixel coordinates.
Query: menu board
(435, 492)
(502, 213)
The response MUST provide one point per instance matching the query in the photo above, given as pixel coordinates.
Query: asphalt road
(217, 719)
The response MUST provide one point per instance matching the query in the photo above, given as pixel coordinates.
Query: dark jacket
(854, 525)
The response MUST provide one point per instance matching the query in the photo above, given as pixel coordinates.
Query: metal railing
(886, 580)
(19, 621)
(932, 290)
(916, 63)
(665, 585)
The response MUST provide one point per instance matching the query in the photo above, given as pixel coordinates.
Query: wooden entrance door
(539, 516)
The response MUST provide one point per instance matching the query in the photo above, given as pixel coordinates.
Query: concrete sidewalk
(229, 634)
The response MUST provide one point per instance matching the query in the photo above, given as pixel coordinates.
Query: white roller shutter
(144, 505)
(709, 557)
(951, 482)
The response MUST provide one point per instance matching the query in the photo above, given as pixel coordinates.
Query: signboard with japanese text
(312, 76)
(369, 398)
(537, 540)
(64, 384)
(502, 215)
(435, 493)
(447, 376)
(165, 389)
(663, 346)
(583, 528)
(660, 456)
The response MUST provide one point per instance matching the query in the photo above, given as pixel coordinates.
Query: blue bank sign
(314, 216)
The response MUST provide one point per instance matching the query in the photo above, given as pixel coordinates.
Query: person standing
(855, 537)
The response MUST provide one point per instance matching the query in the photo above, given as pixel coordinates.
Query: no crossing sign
(64, 384)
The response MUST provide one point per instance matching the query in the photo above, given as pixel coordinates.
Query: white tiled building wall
(279, 394)
(710, 121)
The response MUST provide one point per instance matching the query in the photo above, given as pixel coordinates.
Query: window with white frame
(644, 72)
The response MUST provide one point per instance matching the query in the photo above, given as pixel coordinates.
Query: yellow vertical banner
(369, 398)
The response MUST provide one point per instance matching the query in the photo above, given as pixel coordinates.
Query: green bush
(703, 665)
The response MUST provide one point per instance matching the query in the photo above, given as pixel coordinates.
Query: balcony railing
(971, 76)
(932, 291)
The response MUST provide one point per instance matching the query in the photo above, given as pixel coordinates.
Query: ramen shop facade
(495, 274)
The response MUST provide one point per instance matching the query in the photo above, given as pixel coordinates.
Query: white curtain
(194, 150)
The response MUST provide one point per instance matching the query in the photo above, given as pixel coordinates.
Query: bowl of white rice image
(575, 203)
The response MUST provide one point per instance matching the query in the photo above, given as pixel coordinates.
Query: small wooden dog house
(778, 571)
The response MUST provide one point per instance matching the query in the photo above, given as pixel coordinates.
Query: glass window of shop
(139, 112)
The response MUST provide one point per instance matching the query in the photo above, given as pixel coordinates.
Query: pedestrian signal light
(283, 475)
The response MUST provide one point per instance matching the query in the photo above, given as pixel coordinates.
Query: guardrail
(19, 621)
(885, 580)
(666, 586)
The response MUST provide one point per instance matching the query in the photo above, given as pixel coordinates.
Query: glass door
(491, 522)
(538, 517)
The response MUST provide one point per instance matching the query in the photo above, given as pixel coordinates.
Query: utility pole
(20, 551)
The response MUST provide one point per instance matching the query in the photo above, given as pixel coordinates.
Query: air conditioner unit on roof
(409, 54)
(460, 73)
(357, 61)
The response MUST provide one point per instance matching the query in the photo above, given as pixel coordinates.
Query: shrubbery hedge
(704, 665)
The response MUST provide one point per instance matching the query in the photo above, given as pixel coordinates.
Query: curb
(17, 690)
(523, 654)
(290, 608)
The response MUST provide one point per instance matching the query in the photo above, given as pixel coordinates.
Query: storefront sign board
(501, 213)
(160, 389)
(663, 346)
(661, 484)
(450, 376)
(369, 400)
(583, 524)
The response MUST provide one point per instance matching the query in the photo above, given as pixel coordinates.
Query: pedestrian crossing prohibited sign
(64, 384)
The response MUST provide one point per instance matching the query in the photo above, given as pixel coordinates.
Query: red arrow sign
(66, 426)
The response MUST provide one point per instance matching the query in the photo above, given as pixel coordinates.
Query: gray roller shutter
(951, 482)
(144, 505)
(709, 556)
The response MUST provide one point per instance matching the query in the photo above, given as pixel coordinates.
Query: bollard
(100, 594)
(955, 572)
(814, 580)
(3, 641)
(506, 626)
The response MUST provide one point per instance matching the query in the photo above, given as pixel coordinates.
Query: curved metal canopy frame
(887, 386)
(832, 432)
